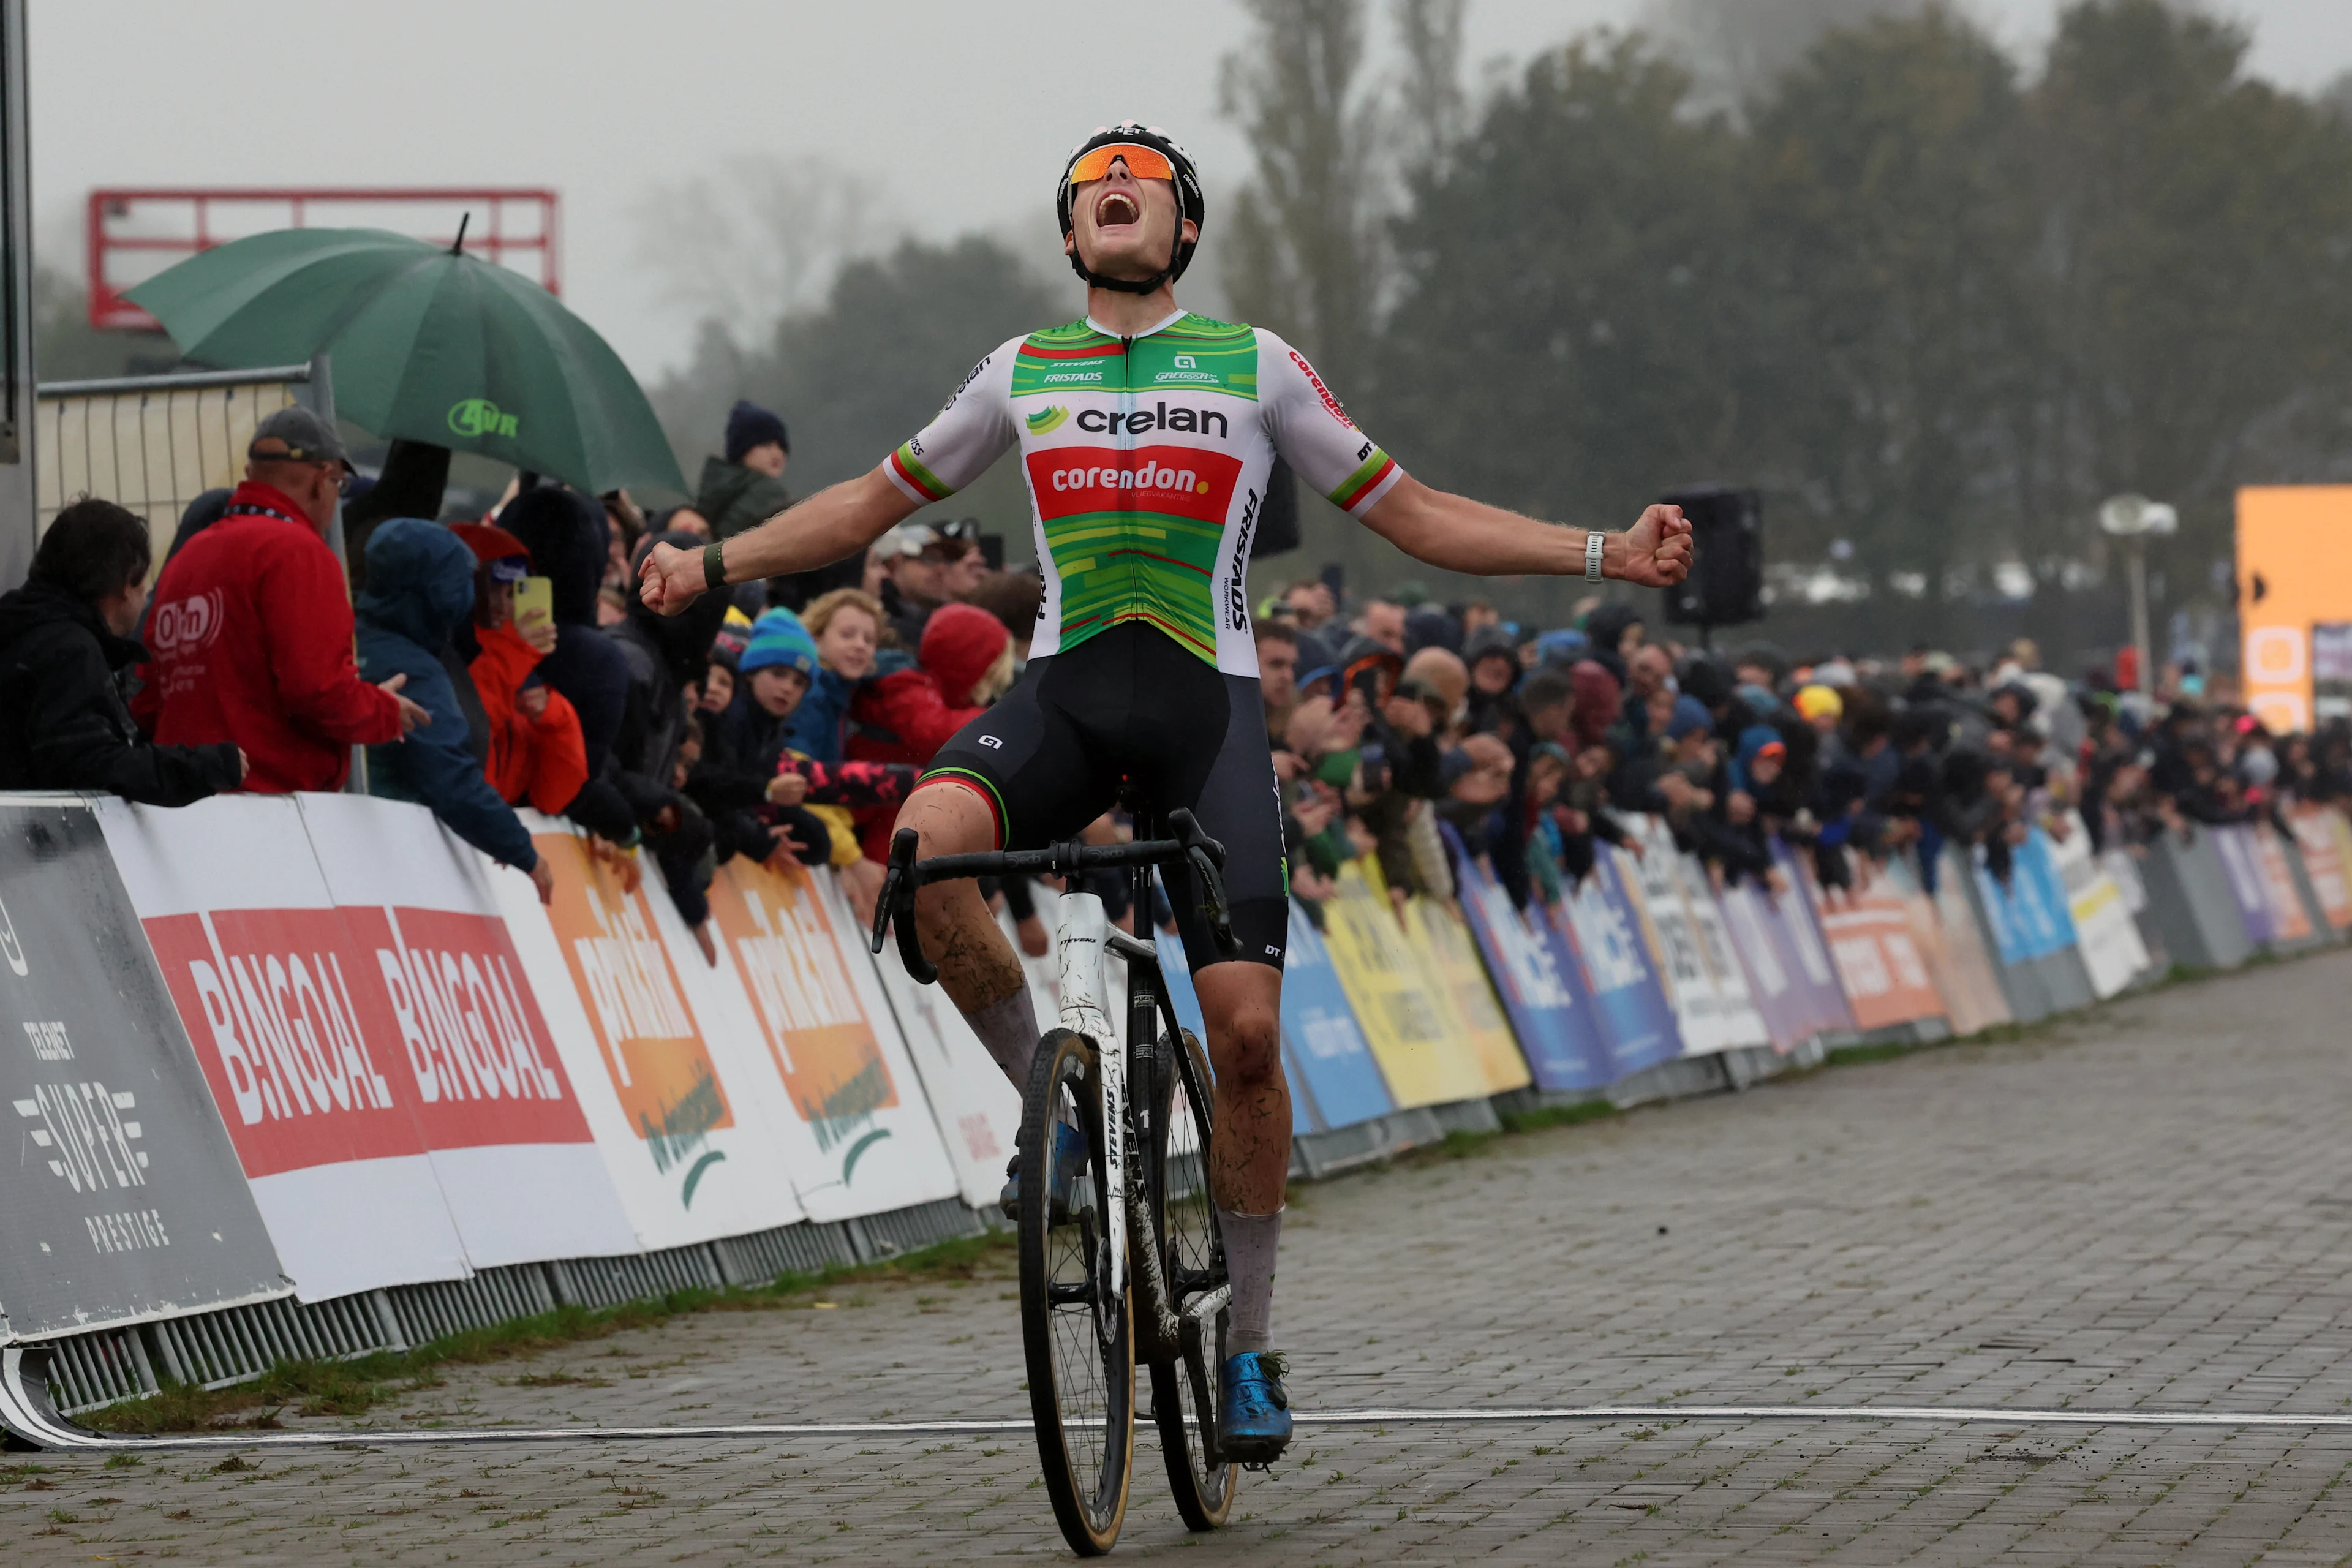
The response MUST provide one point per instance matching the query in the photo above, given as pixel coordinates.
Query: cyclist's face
(1125, 227)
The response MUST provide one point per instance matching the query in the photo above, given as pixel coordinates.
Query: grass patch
(356, 1387)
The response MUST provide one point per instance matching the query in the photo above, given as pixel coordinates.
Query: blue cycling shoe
(1255, 1409)
(1069, 1164)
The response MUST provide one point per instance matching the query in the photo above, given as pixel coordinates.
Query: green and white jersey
(1147, 460)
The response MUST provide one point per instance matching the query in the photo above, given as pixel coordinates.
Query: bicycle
(1130, 1267)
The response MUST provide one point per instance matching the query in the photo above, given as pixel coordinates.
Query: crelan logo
(1048, 420)
(481, 417)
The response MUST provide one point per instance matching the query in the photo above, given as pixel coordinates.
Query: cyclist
(1146, 437)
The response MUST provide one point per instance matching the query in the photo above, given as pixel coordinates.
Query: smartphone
(534, 596)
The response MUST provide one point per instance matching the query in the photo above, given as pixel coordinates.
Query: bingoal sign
(132, 235)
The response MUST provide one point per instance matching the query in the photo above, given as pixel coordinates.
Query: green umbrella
(427, 343)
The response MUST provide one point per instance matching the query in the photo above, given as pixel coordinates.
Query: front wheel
(1077, 1334)
(1185, 1391)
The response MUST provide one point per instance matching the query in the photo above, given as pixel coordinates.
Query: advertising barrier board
(2291, 923)
(1603, 928)
(500, 1121)
(1319, 1033)
(126, 1201)
(674, 1109)
(2105, 932)
(1536, 976)
(2327, 843)
(1962, 967)
(976, 1107)
(1750, 921)
(1878, 962)
(1705, 1015)
(1406, 1023)
(2233, 845)
(830, 1061)
(300, 1037)
(1454, 974)
(1824, 1000)
(1743, 1023)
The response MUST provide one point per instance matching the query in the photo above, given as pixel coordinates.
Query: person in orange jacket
(533, 752)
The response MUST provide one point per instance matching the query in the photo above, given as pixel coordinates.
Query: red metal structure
(135, 233)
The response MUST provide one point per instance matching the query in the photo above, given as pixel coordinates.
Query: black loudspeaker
(1726, 585)
(1277, 518)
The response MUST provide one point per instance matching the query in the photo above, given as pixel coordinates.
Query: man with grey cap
(250, 636)
(915, 557)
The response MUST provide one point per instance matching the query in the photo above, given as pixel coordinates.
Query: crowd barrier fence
(307, 1077)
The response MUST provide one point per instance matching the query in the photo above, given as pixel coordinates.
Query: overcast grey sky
(962, 112)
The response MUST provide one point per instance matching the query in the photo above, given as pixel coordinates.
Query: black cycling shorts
(1132, 704)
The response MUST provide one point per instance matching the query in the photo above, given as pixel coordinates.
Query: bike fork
(1080, 950)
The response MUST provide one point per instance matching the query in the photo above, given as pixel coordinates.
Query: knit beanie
(749, 425)
(779, 638)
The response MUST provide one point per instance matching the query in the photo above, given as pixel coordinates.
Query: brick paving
(2150, 1207)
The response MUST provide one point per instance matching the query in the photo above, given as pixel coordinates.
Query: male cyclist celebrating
(1146, 435)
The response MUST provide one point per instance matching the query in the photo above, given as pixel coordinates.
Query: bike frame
(1085, 934)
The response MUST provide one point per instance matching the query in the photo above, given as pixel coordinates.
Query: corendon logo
(1321, 391)
(185, 625)
(1183, 481)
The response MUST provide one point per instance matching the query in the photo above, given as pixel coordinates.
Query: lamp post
(2134, 517)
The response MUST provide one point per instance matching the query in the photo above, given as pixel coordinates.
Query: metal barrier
(239, 1344)
(156, 443)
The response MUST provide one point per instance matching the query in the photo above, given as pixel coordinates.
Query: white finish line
(59, 1436)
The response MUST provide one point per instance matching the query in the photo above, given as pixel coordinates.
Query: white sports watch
(1593, 542)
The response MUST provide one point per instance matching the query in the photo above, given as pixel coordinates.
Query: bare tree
(761, 238)
(1305, 253)
(1433, 112)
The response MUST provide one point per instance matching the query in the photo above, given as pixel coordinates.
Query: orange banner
(1878, 960)
(652, 1048)
(2319, 832)
(774, 927)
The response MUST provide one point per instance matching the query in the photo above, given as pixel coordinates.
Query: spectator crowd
(488, 664)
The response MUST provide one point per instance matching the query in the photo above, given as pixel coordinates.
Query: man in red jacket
(251, 634)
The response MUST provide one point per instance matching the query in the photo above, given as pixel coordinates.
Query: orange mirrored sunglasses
(1144, 163)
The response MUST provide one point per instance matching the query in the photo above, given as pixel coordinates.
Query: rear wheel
(1184, 1390)
(1079, 1334)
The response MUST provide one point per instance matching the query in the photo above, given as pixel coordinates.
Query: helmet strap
(1130, 285)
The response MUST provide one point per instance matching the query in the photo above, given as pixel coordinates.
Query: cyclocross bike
(1125, 1263)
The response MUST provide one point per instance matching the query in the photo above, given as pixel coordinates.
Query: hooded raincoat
(420, 586)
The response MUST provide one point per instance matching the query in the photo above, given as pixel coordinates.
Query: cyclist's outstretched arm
(1440, 529)
(831, 525)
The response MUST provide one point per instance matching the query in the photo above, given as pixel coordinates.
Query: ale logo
(1048, 420)
(481, 417)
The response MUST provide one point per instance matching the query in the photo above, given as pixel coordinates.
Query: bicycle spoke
(1079, 1347)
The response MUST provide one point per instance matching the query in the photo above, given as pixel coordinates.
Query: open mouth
(1116, 207)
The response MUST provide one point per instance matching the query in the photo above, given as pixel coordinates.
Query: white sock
(1009, 1031)
(1250, 1242)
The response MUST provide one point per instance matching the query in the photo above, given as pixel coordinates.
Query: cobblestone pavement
(2147, 1208)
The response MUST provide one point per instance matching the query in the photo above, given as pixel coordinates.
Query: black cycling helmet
(1189, 202)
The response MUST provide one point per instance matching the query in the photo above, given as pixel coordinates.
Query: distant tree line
(1936, 303)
